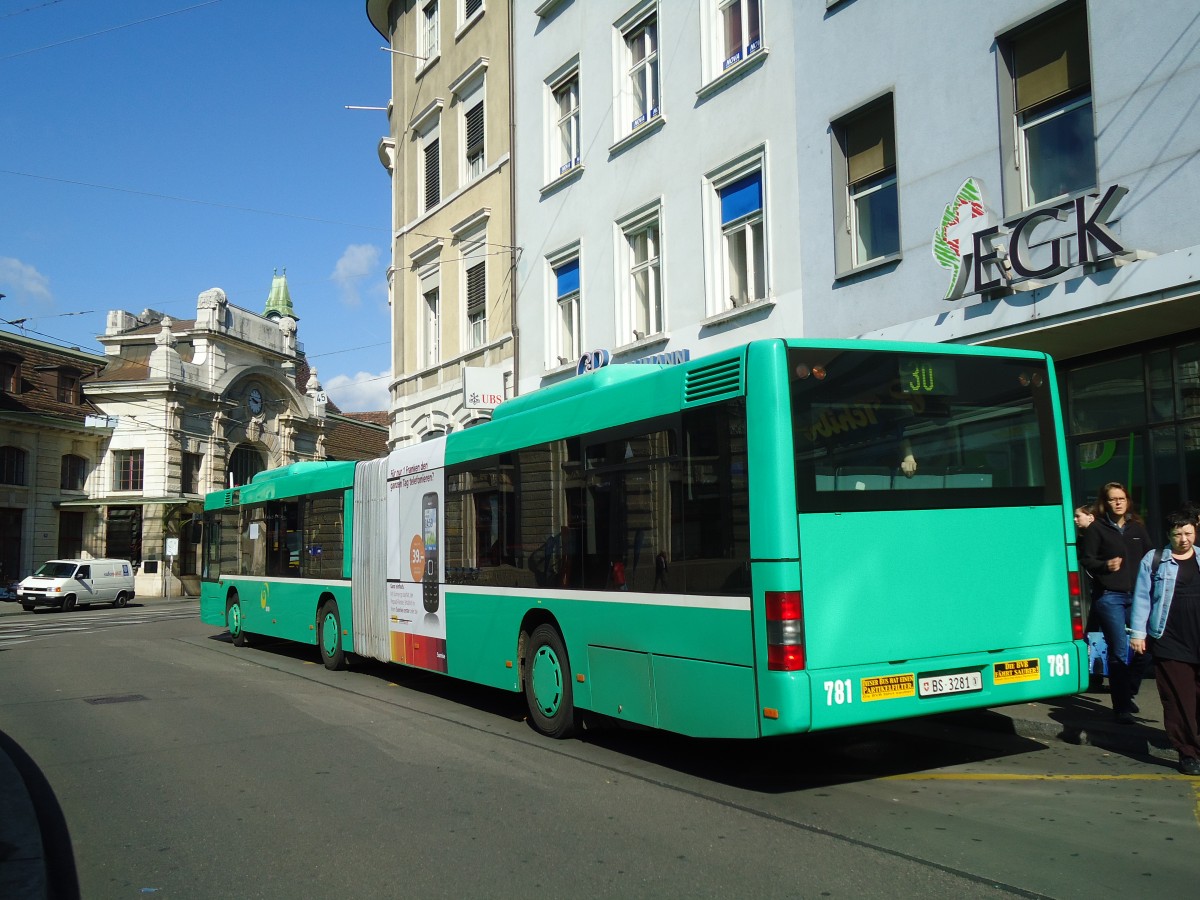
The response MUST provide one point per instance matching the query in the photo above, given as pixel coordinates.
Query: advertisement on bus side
(416, 520)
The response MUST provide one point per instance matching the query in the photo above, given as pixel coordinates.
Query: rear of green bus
(928, 563)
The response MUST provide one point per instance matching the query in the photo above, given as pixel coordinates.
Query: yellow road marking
(998, 776)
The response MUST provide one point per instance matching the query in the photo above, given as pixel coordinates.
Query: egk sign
(982, 257)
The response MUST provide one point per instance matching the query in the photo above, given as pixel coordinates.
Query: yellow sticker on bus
(1015, 670)
(888, 687)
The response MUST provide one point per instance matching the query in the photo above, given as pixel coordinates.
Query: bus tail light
(1076, 606)
(785, 631)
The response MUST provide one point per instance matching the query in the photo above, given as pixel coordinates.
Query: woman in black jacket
(1113, 548)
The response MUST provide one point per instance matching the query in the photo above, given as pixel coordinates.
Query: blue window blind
(742, 197)
(568, 277)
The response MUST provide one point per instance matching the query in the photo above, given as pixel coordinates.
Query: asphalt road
(188, 768)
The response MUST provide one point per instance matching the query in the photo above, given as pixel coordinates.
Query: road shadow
(770, 765)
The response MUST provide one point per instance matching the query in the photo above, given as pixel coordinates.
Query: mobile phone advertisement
(415, 513)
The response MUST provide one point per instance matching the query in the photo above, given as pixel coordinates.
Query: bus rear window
(902, 430)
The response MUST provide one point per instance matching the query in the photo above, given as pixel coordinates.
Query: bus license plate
(952, 683)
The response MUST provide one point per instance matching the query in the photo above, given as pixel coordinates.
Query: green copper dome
(279, 302)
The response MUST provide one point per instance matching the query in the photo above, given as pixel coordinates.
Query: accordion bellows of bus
(772, 539)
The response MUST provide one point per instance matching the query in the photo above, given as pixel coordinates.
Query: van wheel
(233, 620)
(548, 689)
(329, 636)
(122, 600)
(68, 603)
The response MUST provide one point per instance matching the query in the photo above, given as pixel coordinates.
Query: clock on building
(254, 400)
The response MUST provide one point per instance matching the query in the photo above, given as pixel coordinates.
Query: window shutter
(433, 179)
(475, 130)
(476, 289)
(472, 7)
(870, 144)
(1052, 60)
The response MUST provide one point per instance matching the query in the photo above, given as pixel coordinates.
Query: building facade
(136, 437)
(48, 454)
(447, 152)
(690, 176)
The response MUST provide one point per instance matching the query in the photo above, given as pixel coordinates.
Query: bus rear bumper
(819, 699)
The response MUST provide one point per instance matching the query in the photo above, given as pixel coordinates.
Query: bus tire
(122, 600)
(548, 691)
(329, 636)
(68, 603)
(234, 621)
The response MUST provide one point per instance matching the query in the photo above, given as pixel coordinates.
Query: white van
(67, 583)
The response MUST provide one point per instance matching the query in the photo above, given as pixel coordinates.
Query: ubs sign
(982, 257)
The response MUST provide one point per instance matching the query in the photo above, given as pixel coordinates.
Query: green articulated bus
(786, 536)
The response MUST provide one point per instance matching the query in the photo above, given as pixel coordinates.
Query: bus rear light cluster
(1076, 606)
(785, 631)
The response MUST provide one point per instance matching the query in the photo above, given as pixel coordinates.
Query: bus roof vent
(716, 381)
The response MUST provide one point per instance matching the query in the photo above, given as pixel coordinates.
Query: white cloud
(357, 262)
(25, 286)
(364, 392)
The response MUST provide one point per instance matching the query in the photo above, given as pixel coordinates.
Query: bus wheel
(329, 636)
(122, 599)
(68, 603)
(548, 683)
(233, 620)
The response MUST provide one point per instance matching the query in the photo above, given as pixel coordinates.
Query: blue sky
(152, 149)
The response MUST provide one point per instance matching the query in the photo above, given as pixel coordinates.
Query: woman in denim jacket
(1166, 606)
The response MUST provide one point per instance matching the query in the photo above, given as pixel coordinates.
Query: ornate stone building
(180, 408)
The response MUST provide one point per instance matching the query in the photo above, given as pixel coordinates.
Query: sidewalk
(1085, 718)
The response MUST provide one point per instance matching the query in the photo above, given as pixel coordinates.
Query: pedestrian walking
(1166, 619)
(1113, 547)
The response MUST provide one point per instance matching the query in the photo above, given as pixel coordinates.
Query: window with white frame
(742, 256)
(431, 333)
(565, 276)
(474, 259)
(640, 92)
(471, 8)
(430, 170)
(866, 203)
(641, 252)
(1048, 67)
(429, 278)
(740, 30)
(429, 35)
(565, 152)
(473, 136)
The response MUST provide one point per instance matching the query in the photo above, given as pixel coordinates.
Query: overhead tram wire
(156, 196)
(84, 37)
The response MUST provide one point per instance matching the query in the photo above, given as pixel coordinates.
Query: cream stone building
(447, 151)
(172, 410)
